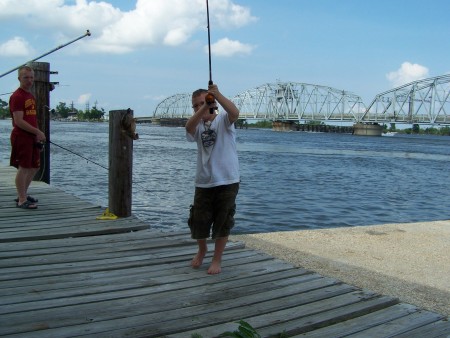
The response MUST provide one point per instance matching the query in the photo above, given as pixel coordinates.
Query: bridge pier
(318, 128)
(367, 129)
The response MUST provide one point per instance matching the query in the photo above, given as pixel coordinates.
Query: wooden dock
(65, 274)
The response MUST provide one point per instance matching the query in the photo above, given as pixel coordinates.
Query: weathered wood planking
(59, 215)
(64, 274)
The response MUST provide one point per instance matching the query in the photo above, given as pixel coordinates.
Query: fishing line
(72, 152)
(89, 160)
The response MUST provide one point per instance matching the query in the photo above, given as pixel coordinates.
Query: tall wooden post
(41, 91)
(120, 164)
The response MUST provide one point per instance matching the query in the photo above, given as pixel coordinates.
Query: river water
(290, 180)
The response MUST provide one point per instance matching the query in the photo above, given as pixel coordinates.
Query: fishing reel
(210, 99)
(39, 145)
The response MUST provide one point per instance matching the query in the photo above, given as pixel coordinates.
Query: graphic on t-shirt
(208, 136)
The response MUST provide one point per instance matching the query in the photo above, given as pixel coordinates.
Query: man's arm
(22, 124)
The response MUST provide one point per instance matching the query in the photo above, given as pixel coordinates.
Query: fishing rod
(53, 50)
(209, 98)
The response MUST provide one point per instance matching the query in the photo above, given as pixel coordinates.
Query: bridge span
(424, 101)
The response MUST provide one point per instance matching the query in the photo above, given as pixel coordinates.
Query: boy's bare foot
(214, 268)
(197, 261)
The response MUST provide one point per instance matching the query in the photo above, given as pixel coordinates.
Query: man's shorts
(24, 152)
(213, 208)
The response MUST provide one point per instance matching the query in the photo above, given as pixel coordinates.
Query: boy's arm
(227, 105)
(194, 120)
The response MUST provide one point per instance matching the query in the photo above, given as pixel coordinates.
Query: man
(217, 175)
(25, 137)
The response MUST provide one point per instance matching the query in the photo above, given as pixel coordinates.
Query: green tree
(4, 111)
(81, 115)
(315, 123)
(263, 124)
(445, 131)
(96, 114)
(62, 110)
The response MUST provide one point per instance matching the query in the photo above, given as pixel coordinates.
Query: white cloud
(408, 72)
(16, 47)
(229, 14)
(226, 47)
(84, 98)
(167, 22)
(157, 98)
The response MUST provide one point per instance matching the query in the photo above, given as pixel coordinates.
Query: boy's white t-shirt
(217, 160)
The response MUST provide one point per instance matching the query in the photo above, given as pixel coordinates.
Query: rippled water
(290, 180)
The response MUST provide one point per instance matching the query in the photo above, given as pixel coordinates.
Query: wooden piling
(41, 91)
(120, 164)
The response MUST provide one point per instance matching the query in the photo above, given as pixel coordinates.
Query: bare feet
(216, 262)
(214, 268)
(198, 259)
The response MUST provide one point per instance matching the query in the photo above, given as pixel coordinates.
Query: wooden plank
(126, 288)
(72, 231)
(80, 242)
(160, 313)
(440, 328)
(161, 249)
(300, 322)
(361, 323)
(155, 258)
(60, 279)
(401, 325)
(41, 283)
(337, 330)
(265, 305)
(17, 256)
(38, 280)
(58, 216)
(111, 282)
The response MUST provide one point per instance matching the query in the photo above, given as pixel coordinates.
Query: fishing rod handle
(209, 98)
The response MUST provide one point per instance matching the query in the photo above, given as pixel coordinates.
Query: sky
(141, 52)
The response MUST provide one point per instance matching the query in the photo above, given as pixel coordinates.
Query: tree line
(416, 128)
(63, 111)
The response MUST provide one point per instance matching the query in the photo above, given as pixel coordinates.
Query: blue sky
(141, 52)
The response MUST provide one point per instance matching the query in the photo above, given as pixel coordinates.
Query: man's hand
(40, 137)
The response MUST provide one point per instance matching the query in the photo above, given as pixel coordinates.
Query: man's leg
(24, 177)
(202, 250)
(30, 175)
(219, 248)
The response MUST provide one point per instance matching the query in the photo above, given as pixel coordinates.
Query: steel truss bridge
(424, 101)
